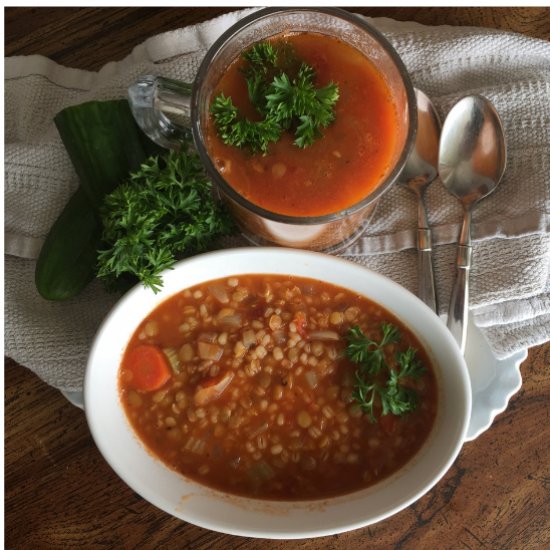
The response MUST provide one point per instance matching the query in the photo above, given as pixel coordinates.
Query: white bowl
(218, 511)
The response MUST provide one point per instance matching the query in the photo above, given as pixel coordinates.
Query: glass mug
(167, 110)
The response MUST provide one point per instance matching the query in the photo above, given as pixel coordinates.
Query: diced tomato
(300, 320)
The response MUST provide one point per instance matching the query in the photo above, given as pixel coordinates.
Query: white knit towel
(510, 284)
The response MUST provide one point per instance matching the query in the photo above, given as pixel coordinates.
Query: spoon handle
(426, 281)
(458, 308)
(457, 321)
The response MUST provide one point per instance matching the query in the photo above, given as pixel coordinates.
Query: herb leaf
(378, 381)
(261, 55)
(365, 394)
(243, 132)
(285, 101)
(165, 211)
(368, 353)
(409, 365)
(299, 99)
(262, 59)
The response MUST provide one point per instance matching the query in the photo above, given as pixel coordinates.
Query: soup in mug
(354, 154)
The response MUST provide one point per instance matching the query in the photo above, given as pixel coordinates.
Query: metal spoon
(472, 159)
(419, 171)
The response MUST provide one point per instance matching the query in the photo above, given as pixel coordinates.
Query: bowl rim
(230, 258)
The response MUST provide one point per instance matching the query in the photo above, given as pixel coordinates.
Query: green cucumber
(105, 145)
(67, 260)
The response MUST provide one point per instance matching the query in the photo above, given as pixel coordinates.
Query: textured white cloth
(510, 285)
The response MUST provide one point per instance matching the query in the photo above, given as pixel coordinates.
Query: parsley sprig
(369, 353)
(164, 212)
(376, 381)
(288, 100)
(262, 61)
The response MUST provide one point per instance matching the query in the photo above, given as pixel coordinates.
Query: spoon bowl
(419, 171)
(472, 155)
(472, 160)
(421, 166)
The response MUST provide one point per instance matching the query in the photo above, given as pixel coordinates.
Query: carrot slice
(149, 367)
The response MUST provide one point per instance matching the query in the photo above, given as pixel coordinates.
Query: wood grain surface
(60, 492)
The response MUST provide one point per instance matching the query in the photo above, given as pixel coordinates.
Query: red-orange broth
(338, 170)
(262, 401)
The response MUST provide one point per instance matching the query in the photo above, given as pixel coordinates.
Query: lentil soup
(256, 395)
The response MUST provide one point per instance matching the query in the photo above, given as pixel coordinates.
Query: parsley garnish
(262, 60)
(368, 353)
(165, 211)
(287, 99)
(378, 382)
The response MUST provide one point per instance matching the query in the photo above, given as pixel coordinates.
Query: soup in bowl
(277, 393)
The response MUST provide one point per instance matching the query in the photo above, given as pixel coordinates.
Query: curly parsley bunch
(287, 102)
(164, 212)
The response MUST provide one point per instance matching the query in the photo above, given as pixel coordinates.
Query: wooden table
(60, 493)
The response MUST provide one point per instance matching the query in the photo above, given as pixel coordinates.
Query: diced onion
(225, 312)
(209, 351)
(210, 390)
(324, 336)
(231, 321)
(219, 292)
(207, 337)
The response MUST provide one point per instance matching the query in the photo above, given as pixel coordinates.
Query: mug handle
(151, 98)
